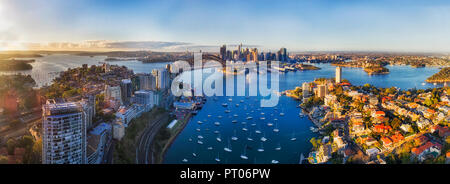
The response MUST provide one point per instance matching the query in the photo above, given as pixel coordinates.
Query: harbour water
(278, 146)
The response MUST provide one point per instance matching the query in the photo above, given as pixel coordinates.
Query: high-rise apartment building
(64, 133)
(338, 74)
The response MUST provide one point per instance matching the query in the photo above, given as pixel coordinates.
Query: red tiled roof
(380, 113)
(397, 137)
(424, 147)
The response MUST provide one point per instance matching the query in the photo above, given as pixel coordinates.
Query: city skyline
(400, 26)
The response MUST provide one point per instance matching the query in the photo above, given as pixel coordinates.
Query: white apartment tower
(64, 133)
(338, 74)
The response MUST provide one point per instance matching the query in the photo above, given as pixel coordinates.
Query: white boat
(249, 137)
(276, 130)
(198, 129)
(244, 129)
(237, 105)
(227, 111)
(220, 117)
(235, 115)
(243, 155)
(244, 123)
(242, 101)
(200, 142)
(217, 123)
(209, 115)
(217, 158)
(262, 118)
(281, 114)
(278, 148)
(194, 154)
(216, 131)
(269, 124)
(225, 104)
(184, 160)
(199, 122)
(200, 137)
(230, 99)
(262, 113)
(219, 139)
(293, 138)
(261, 149)
(209, 148)
(263, 138)
(253, 124)
(234, 121)
(234, 138)
(228, 149)
(249, 118)
(423, 83)
(190, 140)
(257, 131)
(275, 162)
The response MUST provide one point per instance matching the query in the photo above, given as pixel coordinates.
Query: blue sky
(298, 25)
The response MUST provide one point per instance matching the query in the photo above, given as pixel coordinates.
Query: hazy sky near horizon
(299, 25)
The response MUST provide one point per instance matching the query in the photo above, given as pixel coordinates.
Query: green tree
(3, 160)
(11, 145)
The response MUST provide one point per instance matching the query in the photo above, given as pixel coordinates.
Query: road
(143, 149)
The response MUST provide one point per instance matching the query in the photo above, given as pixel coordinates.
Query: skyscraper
(306, 90)
(64, 133)
(338, 74)
(147, 82)
(283, 54)
(223, 52)
(126, 90)
(322, 91)
(162, 79)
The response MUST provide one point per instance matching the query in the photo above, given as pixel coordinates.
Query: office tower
(147, 82)
(338, 74)
(261, 57)
(98, 140)
(279, 56)
(162, 79)
(126, 90)
(268, 56)
(229, 55)
(64, 133)
(135, 83)
(283, 54)
(144, 98)
(254, 54)
(240, 52)
(223, 52)
(169, 68)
